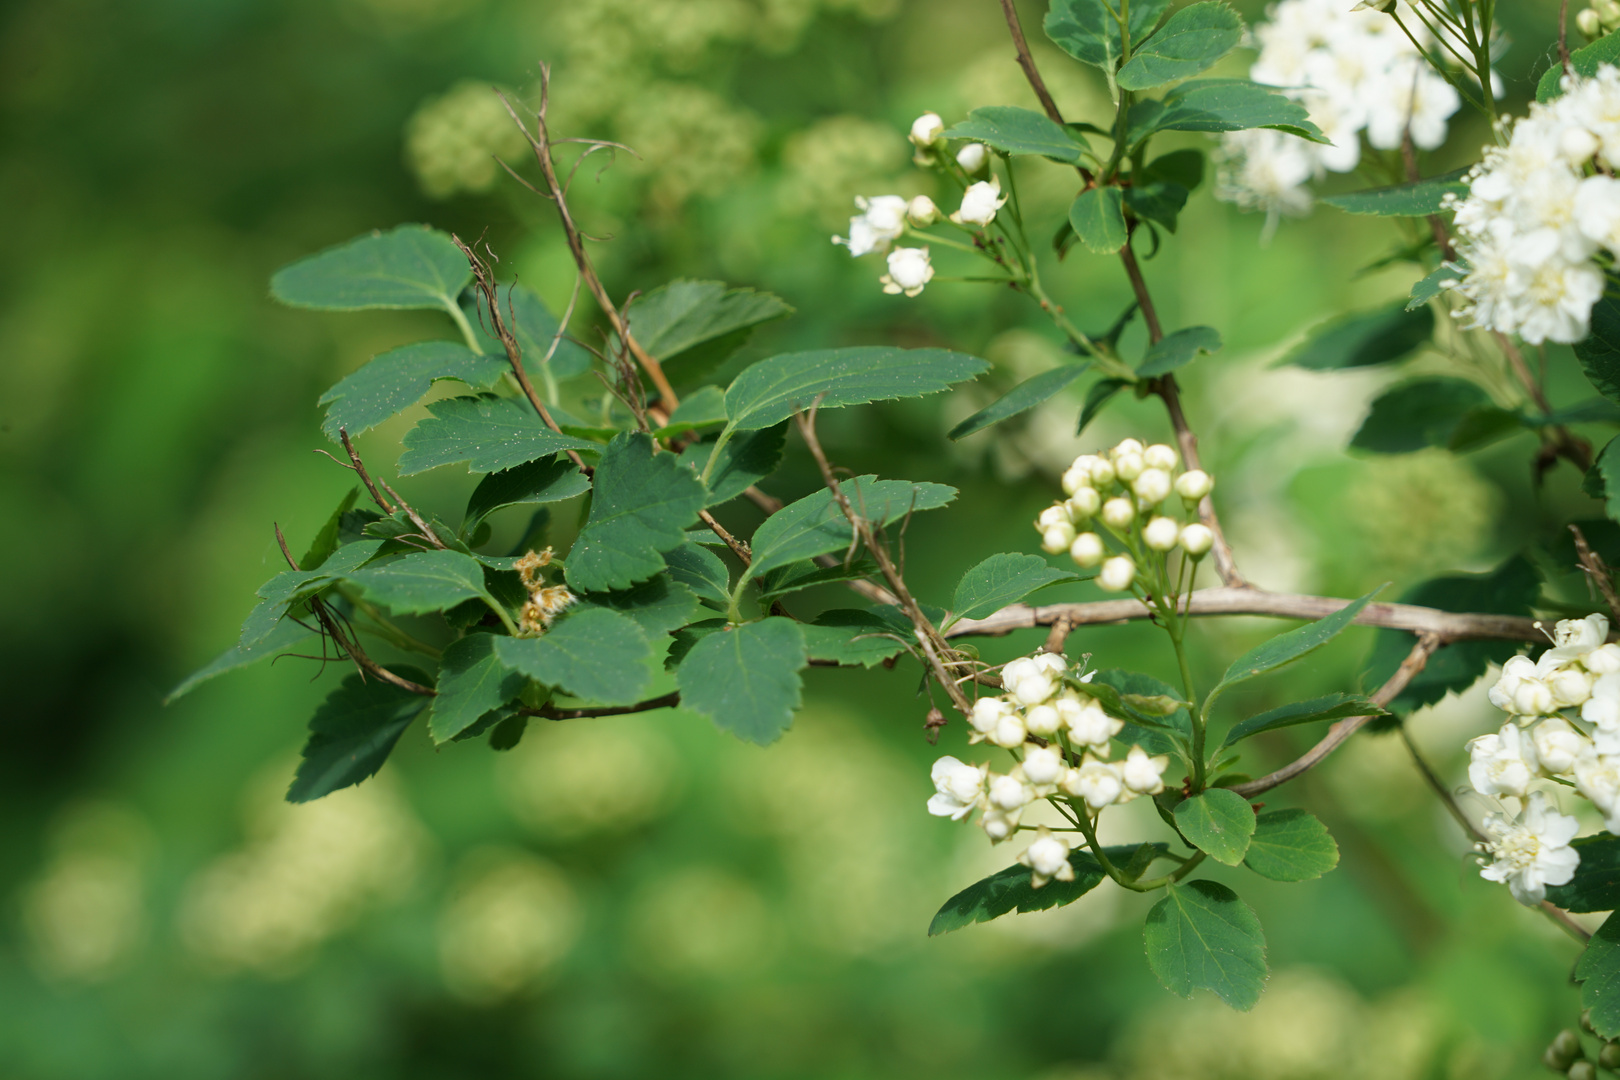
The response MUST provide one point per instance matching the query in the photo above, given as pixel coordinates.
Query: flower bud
(1042, 720)
(1056, 514)
(1603, 660)
(1009, 793)
(1126, 446)
(1057, 538)
(1009, 732)
(1102, 473)
(980, 203)
(1577, 145)
(1582, 1070)
(1128, 466)
(921, 211)
(987, 713)
(1084, 503)
(926, 130)
(972, 157)
(1160, 456)
(1152, 487)
(1094, 781)
(1087, 550)
(1609, 1056)
(1075, 478)
(1143, 774)
(1194, 485)
(1031, 689)
(909, 270)
(1118, 513)
(1564, 1051)
(1088, 723)
(1608, 11)
(997, 825)
(1196, 539)
(1532, 698)
(1117, 574)
(1043, 765)
(1569, 686)
(1589, 23)
(1161, 534)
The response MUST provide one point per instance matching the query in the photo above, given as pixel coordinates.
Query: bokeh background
(645, 896)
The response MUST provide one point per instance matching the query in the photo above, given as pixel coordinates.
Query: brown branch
(1597, 570)
(365, 477)
(1144, 300)
(874, 592)
(738, 548)
(1059, 637)
(1027, 62)
(427, 530)
(1563, 37)
(1448, 625)
(1225, 565)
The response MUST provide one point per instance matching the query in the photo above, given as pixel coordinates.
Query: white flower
(1569, 686)
(1161, 456)
(926, 129)
(1118, 513)
(922, 212)
(1602, 711)
(987, 713)
(1096, 782)
(1010, 732)
(909, 271)
(998, 825)
(1048, 858)
(1043, 766)
(1152, 486)
(1503, 763)
(1580, 635)
(1597, 776)
(972, 157)
(1603, 660)
(1143, 774)
(979, 203)
(1056, 538)
(1116, 574)
(1087, 549)
(1532, 852)
(1008, 793)
(1050, 662)
(882, 219)
(1084, 503)
(1194, 485)
(1558, 746)
(1514, 672)
(1161, 534)
(1029, 681)
(1088, 723)
(1042, 720)
(1196, 539)
(958, 788)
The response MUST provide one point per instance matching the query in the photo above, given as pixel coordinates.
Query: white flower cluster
(1121, 492)
(883, 219)
(1355, 72)
(1542, 216)
(1063, 739)
(1565, 727)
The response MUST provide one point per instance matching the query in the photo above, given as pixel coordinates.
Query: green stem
(1083, 819)
(943, 242)
(466, 327)
(714, 455)
(387, 630)
(505, 616)
(1187, 867)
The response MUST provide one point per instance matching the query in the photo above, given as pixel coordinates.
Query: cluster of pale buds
(1602, 18)
(545, 602)
(1123, 492)
(1043, 711)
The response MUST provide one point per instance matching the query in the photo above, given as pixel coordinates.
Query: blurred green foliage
(746, 913)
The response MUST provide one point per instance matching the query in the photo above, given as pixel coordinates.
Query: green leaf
(330, 535)
(642, 505)
(850, 636)
(1217, 822)
(1190, 41)
(1599, 351)
(1184, 168)
(1596, 884)
(535, 328)
(1001, 580)
(1221, 105)
(746, 679)
(704, 407)
(1098, 395)
(422, 582)
(591, 653)
(1417, 199)
(807, 575)
(1098, 219)
(658, 605)
(1201, 936)
(691, 327)
(1291, 845)
(743, 461)
(1019, 131)
(488, 433)
(1598, 972)
(1155, 734)
(473, 681)
(1585, 62)
(281, 636)
(1178, 350)
(411, 266)
(772, 390)
(700, 570)
(1603, 479)
(1434, 283)
(290, 586)
(1021, 398)
(1292, 644)
(815, 525)
(1088, 31)
(1157, 201)
(1484, 425)
(548, 480)
(1418, 413)
(1328, 707)
(399, 378)
(1364, 338)
(1010, 890)
(353, 732)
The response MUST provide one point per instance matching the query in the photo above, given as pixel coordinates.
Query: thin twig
(427, 531)
(1431, 778)
(1597, 570)
(365, 477)
(1225, 565)
(1563, 37)
(738, 547)
(1027, 62)
(1144, 300)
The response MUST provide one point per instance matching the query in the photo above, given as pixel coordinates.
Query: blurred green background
(645, 896)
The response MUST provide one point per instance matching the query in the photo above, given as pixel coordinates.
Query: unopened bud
(972, 157)
(1197, 539)
(1087, 550)
(1582, 1070)
(1577, 145)
(1102, 472)
(1194, 485)
(1563, 1052)
(1609, 1056)
(1152, 487)
(1056, 514)
(1161, 534)
(1603, 660)
(1042, 720)
(922, 212)
(1126, 446)
(926, 129)
(1532, 698)
(1608, 11)
(1589, 23)
(1118, 513)
(1084, 503)
(1160, 456)
(1116, 574)
(1128, 466)
(1057, 538)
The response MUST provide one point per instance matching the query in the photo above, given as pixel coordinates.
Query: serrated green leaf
(1419, 198)
(1011, 890)
(535, 328)
(548, 480)
(590, 653)
(1291, 845)
(353, 732)
(1364, 338)
(693, 326)
(1177, 350)
(1201, 936)
(1602, 480)
(411, 266)
(657, 605)
(399, 378)
(488, 433)
(814, 525)
(1192, 40)
(704, 407)
(1433, 284)
(1221, 105)
(330, 535)
(806, 575)
(642, 505)
(1328, 707)
(1021, 398)
(1088, 31)
(746, 679)
(850, 636)
(700, 570)
(1596, 884)
(1292, 644)
(421, 582)
(473, 682)
(1217, 822)
(1598, 972)
(1418, 413)
(1001, 580)
(1098, 219)
(278, 594)
(1019, 131)
(1584, 62)
(1599, 351)
(742, 461)
(1098, 395)
(769, 392)
(283, 635)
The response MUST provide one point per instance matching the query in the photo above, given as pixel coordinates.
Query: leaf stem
(463, 325)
